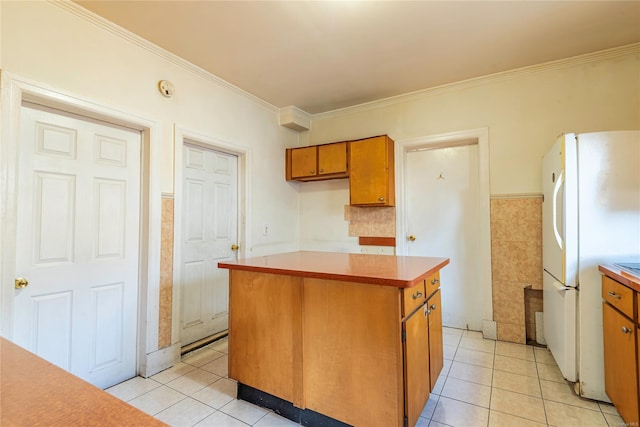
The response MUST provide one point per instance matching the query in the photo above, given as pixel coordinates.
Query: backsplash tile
(371, 221)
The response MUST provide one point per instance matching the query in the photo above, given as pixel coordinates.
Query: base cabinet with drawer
(621, 348)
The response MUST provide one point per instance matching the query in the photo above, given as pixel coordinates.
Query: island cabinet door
(265, 332)
(620, 370)
(436, 348)
(416, 364)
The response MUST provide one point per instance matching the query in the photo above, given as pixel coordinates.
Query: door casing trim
(15, 90)
(480, 137)
(182, 136)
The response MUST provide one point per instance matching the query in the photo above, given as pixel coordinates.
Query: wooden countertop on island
(34, 392)
(387, 270)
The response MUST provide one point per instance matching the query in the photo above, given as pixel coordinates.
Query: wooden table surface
(34, 392)
(388, 270)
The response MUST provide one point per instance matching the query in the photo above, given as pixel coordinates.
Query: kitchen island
(336, 339)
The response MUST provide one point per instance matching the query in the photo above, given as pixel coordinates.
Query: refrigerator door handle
(560, 287)
(556, 189)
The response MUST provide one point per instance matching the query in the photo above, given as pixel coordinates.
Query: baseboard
(489, 330)
(160, 360)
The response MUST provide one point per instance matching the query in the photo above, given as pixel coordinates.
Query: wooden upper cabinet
(304, 162)
(318, 162)
(368, 163)
(371, 175)
(332, 159)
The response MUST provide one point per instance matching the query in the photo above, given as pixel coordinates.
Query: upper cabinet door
(371, 176)
(303, 162)
(317, 162)
(332, 158)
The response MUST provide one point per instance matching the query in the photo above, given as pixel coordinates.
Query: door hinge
(404, 336)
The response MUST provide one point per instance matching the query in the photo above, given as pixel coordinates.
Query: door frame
(15, 90)
(478, 137)
(185, 135)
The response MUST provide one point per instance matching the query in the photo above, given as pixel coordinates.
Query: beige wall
(63, 49)
(525, 111)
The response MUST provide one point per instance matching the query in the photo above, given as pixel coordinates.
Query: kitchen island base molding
(305, 417)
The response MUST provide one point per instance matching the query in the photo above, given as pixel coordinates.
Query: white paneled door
(77, 244)
(209, 230)
(442, 193)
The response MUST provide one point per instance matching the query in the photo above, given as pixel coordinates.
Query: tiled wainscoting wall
(166, 272)
(516, 254)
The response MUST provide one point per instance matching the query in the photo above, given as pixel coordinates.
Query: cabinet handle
(312, 171)
(381, 199)
(321, 170)
(626, 330)
(614, 295)
(435, 281)
(433, 307)
(416, 295)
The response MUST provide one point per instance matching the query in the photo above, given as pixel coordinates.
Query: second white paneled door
(209, 230)
(78, 244)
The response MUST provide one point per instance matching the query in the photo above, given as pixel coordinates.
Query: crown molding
(602, 55)
(127, 35)
(101, 22)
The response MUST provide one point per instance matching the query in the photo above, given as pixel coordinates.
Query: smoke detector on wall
(166, 88)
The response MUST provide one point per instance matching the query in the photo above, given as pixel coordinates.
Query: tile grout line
(493, 374)
(544, 405)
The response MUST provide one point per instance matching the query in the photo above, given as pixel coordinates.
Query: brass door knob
(21, 283)
(235, 247)
(412, 238)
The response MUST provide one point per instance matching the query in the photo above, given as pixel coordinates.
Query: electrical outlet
(265, 230)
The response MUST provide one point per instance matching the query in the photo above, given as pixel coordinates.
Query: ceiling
(325, 55)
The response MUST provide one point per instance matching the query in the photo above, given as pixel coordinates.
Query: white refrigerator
(590, 216)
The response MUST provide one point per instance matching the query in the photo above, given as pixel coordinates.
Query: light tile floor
(483, 383)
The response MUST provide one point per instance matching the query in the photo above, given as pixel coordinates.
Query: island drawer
(412, 298)
(432, 283)
(618, 295)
